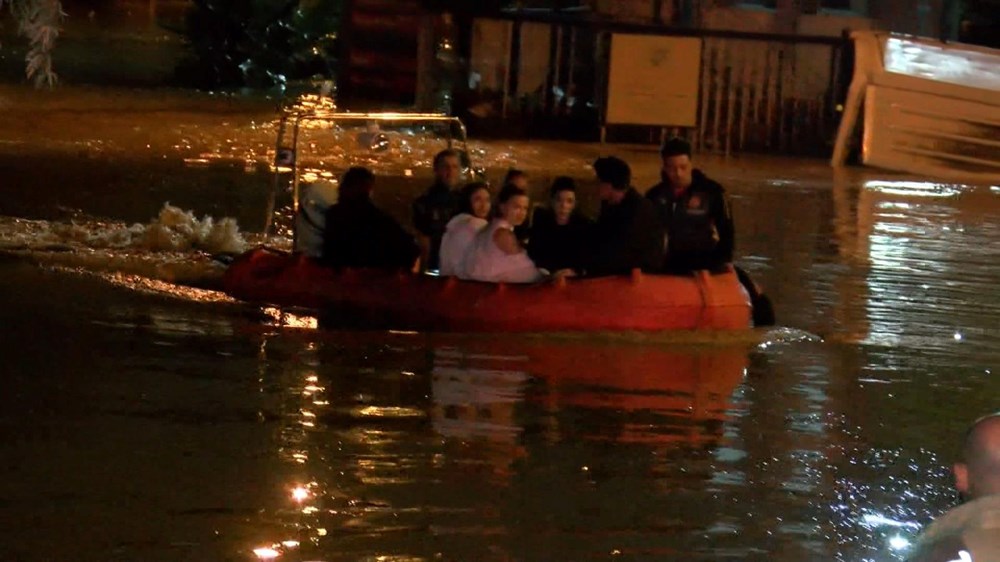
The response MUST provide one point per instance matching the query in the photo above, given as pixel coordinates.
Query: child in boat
(359, 234)
(473, 216)
(559, 235)
(496, 255)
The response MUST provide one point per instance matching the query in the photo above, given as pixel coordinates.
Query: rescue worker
(696, 217)
(694, 212)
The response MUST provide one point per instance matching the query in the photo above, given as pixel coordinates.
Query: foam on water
(175, 246)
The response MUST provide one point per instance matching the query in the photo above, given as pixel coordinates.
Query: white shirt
(487, 262)
(455, 244)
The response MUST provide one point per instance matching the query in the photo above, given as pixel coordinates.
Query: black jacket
(431, 213)
(553, 246)
(698, 224)
(627, 236)
(359, 234)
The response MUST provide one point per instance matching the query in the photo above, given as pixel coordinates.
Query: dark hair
(613, 170)
(508, 192)
(512, 174)
(675, 147)
(465, 196)
(562, 183)
(446, 153)
(355, 184)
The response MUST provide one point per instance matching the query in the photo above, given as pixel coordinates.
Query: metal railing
(757, 91)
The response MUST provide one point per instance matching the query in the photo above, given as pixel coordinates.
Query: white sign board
(653, 80)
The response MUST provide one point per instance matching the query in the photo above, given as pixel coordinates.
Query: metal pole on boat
(269, 217)
(295, 169)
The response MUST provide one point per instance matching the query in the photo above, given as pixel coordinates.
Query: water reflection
(479, 443)
(906, 237)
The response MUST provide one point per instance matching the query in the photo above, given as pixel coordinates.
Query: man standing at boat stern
(627, 234)
(433, 209)
(694, 212)
(971, 531)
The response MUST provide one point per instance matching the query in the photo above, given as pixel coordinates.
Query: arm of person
(422, 217)
(723, 217)
(646, 233)
(398, 243)
(507, 241)
(606, 254)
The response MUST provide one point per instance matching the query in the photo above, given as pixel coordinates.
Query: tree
(39, 21)
(257, 43)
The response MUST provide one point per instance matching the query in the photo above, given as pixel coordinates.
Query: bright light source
(266, 553)
(957, 336)
(300, 494)
(898, 543)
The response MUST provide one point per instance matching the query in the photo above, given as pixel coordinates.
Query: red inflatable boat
(410, 301)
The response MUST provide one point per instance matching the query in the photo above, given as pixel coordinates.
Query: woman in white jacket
(473, 216)
(496, 254)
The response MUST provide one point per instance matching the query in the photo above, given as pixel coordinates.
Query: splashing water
(175, 246)
(173, 230)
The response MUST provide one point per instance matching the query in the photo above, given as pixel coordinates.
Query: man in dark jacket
(628, 234)
(694, 212)
(699, 228)
(359, 234)
(433, 209)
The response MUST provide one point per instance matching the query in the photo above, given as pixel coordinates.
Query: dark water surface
(143, 423)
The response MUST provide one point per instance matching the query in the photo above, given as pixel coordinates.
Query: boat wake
(174, 247)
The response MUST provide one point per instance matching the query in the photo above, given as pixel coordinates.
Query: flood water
(147, 420)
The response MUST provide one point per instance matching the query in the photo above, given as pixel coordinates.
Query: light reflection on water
(408, 446)
(791, 449)
(495, 407)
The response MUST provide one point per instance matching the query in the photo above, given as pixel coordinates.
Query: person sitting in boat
(473, 216)
(970, 531)
(518, 178)
(433, 209)
(359, 234)
(559, 235)
(628, 234)
(496, 255)
(698, 222)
